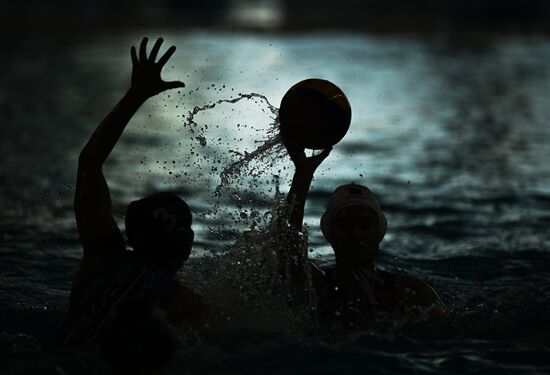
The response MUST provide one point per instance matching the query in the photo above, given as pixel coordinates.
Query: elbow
(87, 160)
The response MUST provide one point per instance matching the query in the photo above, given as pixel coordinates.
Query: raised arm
(96, 225)
(291, 250)
(303, 175)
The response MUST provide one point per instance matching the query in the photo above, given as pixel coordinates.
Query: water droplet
(202, 140)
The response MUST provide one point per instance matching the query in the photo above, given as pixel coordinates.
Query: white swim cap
(352, 195)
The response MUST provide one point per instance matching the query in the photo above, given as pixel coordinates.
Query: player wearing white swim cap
(354, 290)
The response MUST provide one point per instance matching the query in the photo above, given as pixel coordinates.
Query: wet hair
(137, 338)
(159, 228)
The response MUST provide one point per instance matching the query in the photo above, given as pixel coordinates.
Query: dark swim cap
(160, 226)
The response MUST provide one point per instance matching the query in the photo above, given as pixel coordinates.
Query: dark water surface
(452, 135)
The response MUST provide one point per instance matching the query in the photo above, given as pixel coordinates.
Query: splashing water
(263, 282)
(272, 144)
(270, 148)
(264, 273)
(237, 171)
(190, 120)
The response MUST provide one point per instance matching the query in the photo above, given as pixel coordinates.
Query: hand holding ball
(314, 114)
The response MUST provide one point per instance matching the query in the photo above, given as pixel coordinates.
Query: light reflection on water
(434, 122)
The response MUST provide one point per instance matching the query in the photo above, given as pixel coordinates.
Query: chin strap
(364, 277)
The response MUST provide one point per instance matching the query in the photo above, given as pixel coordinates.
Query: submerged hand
(146, 79)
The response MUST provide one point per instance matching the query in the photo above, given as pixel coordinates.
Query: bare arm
(96, 225)
(304, 169)
(293, 266)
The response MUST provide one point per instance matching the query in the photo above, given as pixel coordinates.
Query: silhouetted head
(159, 228)
(137, 339)
(354, 224)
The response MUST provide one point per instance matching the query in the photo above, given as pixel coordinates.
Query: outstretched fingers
(155, 50)
(166, 56)
(143, 50)
(295, 152)
(323, 155)
(146, 73)
(318, 159)
(174, 85)
(134, 55)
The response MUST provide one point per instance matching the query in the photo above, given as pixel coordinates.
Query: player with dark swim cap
(355, 290)
(158, 228)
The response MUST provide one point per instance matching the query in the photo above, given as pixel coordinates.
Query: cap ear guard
(325, 227)
(383, 226)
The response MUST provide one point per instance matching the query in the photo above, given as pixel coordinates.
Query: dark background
(450, 104)
(366, 15)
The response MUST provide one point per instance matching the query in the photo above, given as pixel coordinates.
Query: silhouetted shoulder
(341, 297)
(94, 292)
(415, 294)
(96, 276)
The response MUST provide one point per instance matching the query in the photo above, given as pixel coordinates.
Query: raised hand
(305, 165)
(146, 79)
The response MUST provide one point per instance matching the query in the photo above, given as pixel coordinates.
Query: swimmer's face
(355, 234)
